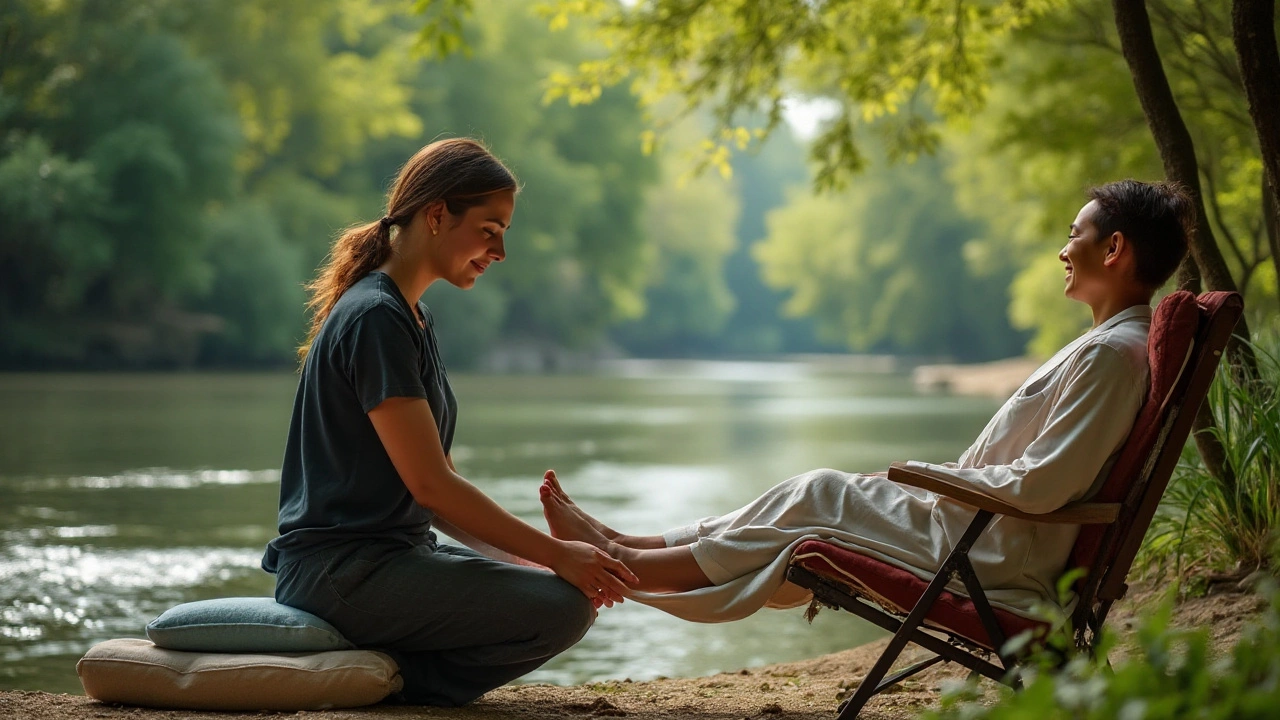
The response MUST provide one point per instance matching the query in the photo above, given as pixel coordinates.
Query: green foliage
(1033, 97)
(116, 138)
(887, 63)
(442, 25)
(1208, 524)
(1062, 116)
(577, 257)
(314, 82)
(881, 267)
(757, 325)
(256, 275)
(187, 162)
(160, 158)
(1171, 674)
(689, 223)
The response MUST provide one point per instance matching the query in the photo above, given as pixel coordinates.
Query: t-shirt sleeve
(381, 355)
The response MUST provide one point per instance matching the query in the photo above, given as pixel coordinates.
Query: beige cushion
(136, 672)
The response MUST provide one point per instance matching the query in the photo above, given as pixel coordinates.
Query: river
(124, 494)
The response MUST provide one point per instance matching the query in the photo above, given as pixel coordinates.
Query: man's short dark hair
(1157, 219)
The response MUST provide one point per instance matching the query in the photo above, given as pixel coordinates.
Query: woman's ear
(433, 214)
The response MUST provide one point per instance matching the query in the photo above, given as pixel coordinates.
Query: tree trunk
(1271, 220)
(1188, 275)
(1253, 28)
(1177, 152)
(1211, 450)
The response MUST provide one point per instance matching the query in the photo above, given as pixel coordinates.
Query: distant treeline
(172, 172)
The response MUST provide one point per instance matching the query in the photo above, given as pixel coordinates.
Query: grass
(1209, 527)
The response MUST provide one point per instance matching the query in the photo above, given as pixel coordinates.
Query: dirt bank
(997, 379)
(794, 691)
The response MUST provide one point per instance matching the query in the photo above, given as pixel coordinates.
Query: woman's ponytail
(355, 254)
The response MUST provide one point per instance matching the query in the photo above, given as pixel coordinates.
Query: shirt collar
(1135, 312)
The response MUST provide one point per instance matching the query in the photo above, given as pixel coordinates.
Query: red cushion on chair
(1173, 329)
(898, 590)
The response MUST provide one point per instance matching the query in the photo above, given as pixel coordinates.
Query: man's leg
(660, 568)
(739, 542)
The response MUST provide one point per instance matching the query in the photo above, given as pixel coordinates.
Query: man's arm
(1089, 422)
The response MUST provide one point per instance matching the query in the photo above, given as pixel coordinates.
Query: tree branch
(1212, 196)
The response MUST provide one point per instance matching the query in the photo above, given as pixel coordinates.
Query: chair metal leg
(908, 671)
(988, 616)
(871, 683)
(894, 679)
(838, 597)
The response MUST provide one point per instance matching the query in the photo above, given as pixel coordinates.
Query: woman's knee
(564, 615)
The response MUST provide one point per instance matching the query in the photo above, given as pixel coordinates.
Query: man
(1052, 443)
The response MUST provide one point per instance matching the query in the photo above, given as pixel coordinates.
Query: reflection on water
(122, 495)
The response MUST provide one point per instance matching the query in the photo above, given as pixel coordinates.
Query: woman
(367, 470)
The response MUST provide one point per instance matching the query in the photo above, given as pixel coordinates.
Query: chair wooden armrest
(1077, 513)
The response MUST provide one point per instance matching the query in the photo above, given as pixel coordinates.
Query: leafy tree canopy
(887, 64)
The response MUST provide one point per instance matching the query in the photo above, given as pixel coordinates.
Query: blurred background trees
(1026, 102)
(172, 171)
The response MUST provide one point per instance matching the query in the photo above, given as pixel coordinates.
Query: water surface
(122, 495)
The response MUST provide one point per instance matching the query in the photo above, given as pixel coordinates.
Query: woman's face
(467, 244)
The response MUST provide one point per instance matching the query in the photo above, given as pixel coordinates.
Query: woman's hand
(591, 570)
(403, 423)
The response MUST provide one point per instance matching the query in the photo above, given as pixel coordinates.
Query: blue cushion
(243, 625)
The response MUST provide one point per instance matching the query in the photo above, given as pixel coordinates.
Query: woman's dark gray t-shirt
(337, 483)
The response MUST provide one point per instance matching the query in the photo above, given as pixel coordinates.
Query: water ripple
(147, 478)
(54, 592)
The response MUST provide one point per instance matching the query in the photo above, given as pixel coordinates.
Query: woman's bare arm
(408, 432)
(475, 543)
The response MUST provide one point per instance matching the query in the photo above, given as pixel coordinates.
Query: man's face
(1084, 256)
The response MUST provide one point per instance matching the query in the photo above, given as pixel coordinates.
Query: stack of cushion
(238, 654)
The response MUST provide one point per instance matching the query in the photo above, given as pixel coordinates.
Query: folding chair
(1187, 337)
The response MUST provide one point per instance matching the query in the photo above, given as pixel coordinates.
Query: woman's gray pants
(458, 623)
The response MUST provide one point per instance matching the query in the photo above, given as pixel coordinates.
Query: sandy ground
(795, 691)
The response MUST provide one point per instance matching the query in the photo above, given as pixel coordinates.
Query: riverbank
(806, 690)
(998, 379)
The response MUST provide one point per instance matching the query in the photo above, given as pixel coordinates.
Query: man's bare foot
(549, 480)
(565, 522)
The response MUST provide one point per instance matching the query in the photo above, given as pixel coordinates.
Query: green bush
(1209, 524)
(1171, 674)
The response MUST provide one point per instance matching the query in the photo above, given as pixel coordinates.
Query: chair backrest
(1185, 344)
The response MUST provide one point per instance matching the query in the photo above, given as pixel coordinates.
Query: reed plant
(1225, 528)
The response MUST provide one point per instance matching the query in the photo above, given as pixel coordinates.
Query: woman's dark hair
(1158, 220)
(460, 172)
